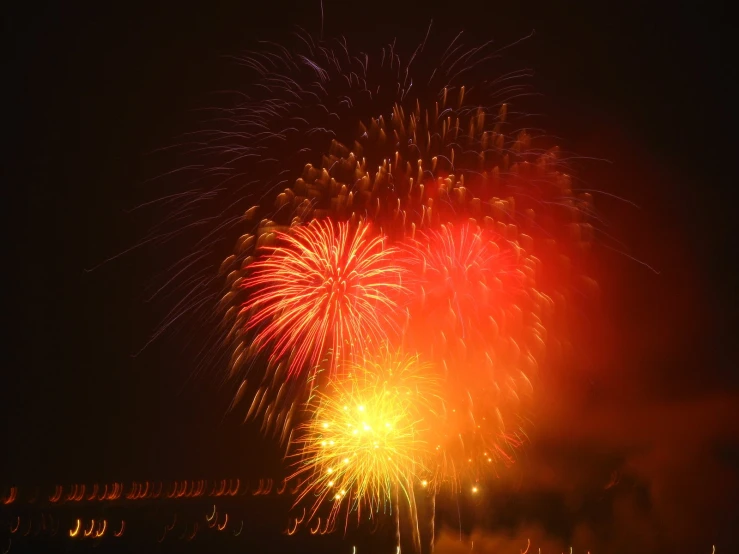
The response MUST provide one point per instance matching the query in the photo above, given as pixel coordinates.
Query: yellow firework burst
(367, 444)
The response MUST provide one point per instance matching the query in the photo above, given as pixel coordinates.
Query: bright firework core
(368, 441)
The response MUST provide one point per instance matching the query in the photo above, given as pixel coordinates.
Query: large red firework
(323, 286)
(476, 313)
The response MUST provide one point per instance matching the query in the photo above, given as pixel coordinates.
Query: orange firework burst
(368, 442)
(324, 286)
(477, 314)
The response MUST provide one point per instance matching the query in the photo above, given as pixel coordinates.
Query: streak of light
(57, 494)
(132, 493)
(194, 531)
(292, 531)
(119, 533)
(94, 492)
(174, 522)
(17, 524)
(241, 528)
(225, 522)
(163, 534)
(55, 527)
(174, 491)
(10, 542)
(268, 487)
(211, 515)
(281, 489)
(117, 490)
(74, 532)
(318, 526)
(102, 529)
(297, 487)
(329, 523)
(181, 493)
(105, 492)
(528, 545)
(88, 532)
(11, 496)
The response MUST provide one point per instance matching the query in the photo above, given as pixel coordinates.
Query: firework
(322, 287)
(360, 139)
(368, 443)
(476, 313)
(481, 209)
(397, 205)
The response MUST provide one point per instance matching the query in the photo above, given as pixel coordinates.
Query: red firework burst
(469, 284)
(476, 314)
(324, 286)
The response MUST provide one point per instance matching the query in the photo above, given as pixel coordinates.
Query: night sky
(98, 91)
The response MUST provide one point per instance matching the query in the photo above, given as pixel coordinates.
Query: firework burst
(420, 159)
(476, 313)
(322, 287)
(480, 209)
(402, 206)
(368, 443)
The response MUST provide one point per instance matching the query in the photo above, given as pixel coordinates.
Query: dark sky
(96, 89)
